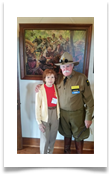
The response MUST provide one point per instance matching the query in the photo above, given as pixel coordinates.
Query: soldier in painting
(62, 41)
(48, 53)
(40, 39)
(68, 45)
(31, 59)
(48, 41)
(54, 40)
(41, 47)
(59, 49)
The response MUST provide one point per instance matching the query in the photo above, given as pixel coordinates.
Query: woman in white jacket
(47, 112)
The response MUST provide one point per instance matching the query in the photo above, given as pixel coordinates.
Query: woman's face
(50, 79)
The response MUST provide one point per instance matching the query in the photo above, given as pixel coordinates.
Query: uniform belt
(52, 107)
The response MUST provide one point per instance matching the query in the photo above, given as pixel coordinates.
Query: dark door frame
(19, 130)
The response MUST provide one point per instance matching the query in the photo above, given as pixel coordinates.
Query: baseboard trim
(59, 144)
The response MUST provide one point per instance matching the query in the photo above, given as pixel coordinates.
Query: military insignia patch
(75, 89)
(87, 82)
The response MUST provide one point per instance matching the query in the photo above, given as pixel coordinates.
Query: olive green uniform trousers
(72, 123)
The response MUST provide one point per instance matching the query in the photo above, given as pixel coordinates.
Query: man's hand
(37, 88)
(88, 123)
(42, 127)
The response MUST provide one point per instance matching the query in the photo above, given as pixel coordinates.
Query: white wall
(27, 87)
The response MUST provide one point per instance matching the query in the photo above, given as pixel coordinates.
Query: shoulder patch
(87, 81)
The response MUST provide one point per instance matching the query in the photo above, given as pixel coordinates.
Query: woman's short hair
(48, 71)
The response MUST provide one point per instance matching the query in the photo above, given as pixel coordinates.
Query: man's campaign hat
(66, 58)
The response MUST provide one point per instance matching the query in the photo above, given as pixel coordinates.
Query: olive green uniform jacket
(73, 102)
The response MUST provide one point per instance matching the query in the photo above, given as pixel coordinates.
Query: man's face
(49, 49)
(67, 69)
(58, 46)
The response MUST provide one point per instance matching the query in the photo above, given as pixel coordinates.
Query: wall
(27, 87)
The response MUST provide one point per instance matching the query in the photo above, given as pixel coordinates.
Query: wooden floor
(35, 150)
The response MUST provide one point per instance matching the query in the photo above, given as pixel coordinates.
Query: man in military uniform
(74, 91)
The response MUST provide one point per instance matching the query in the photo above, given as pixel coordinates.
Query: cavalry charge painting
(42, 48)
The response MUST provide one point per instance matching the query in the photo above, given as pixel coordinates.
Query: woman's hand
(37, 88)
(42, 127)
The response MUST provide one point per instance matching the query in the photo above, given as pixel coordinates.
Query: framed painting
(41, 45)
